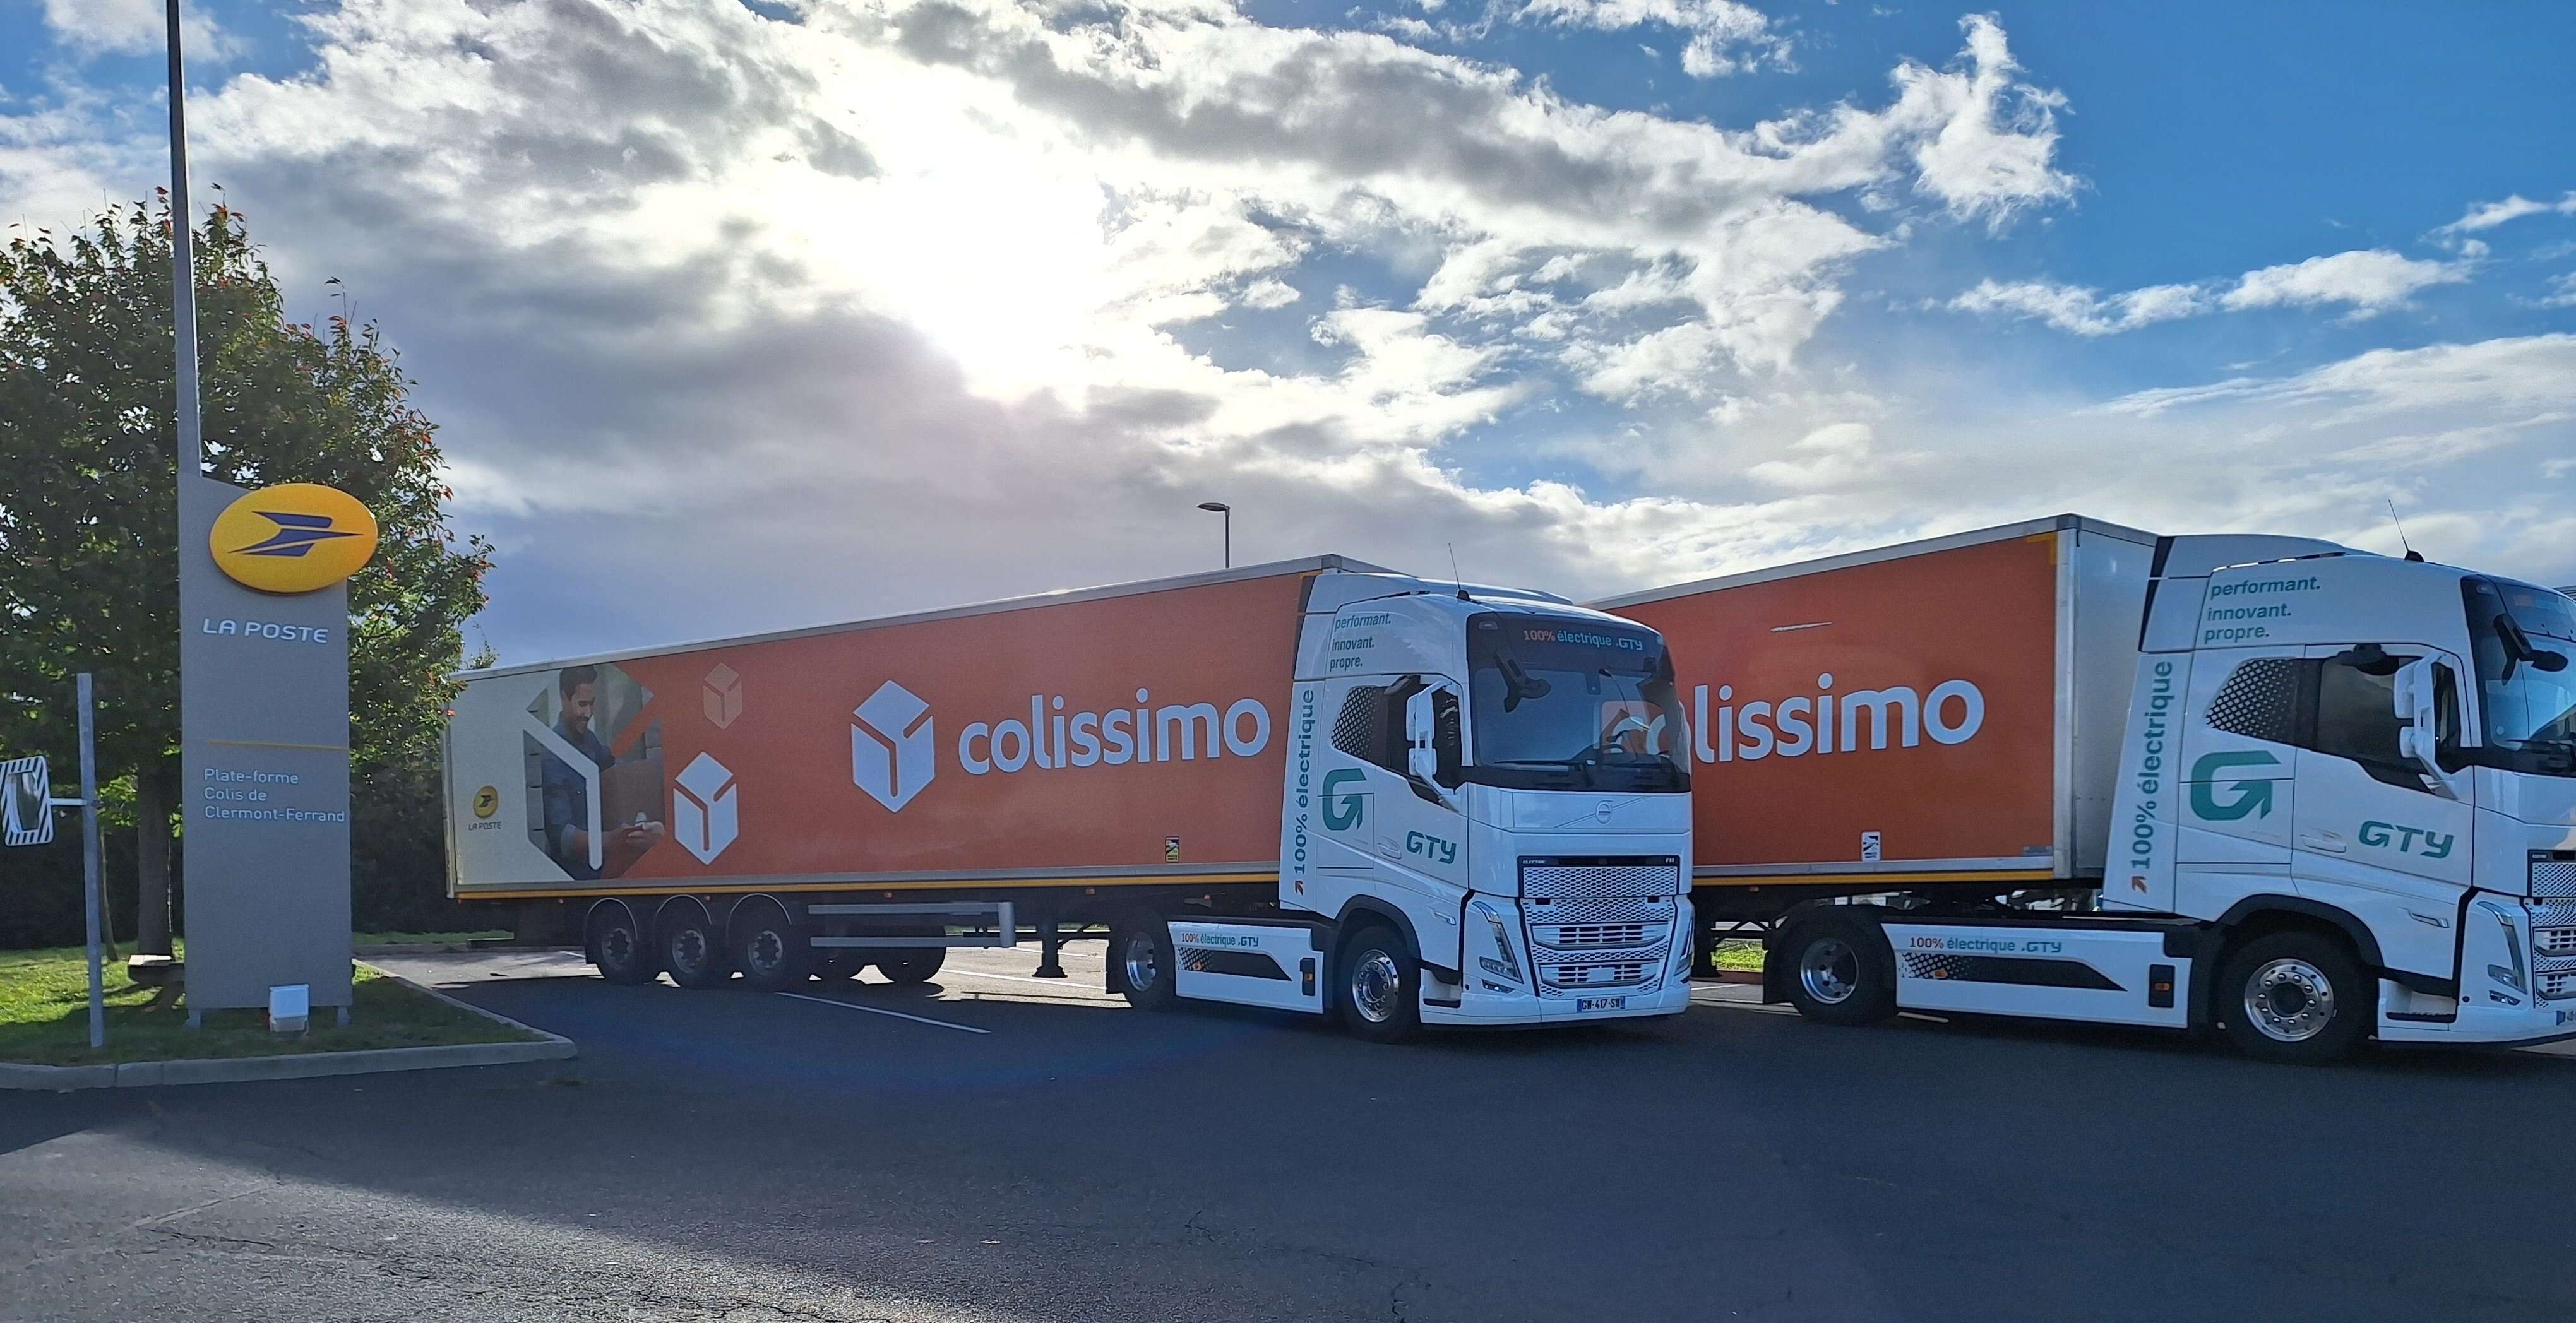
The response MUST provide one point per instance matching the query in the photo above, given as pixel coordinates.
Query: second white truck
(2269, 785)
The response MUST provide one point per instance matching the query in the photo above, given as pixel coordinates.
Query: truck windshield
(1564, 704)
(2517, 632)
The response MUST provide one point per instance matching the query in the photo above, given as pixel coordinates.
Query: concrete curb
(301, 1065)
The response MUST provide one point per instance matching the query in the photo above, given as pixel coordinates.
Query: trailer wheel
(693, 950)
(2295, 997)
(1141, 963)
(767, 946)
(912, 966)
(618, 946)
(1840, 970)
(1380, 988)
(840, 965)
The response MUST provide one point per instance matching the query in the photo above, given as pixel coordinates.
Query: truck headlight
(1685, 933)
(1509, 966)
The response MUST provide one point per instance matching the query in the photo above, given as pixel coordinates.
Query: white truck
(1314, 785)
(2065, 769)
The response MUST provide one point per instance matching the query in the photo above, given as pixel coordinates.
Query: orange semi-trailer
(1266, 781)
(1940, 716)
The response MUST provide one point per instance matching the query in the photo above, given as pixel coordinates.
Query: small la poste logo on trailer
(295, 537)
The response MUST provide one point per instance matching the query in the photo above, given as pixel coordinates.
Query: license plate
(1582, 1004)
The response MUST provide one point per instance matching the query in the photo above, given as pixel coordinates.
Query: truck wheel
(912, 966)
(1380, 986)
(693, 950)
(1141, 963)
(2295, 997)
(842, 964)
(768, 948)
(619, 948)
(1840, 971)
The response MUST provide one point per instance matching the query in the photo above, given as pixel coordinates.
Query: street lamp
(1220, 507)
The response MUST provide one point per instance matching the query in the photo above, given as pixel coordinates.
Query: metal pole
(1229, 537)
(89, 860)
(183, 266)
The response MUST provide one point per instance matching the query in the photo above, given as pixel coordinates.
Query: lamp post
(1220, 507)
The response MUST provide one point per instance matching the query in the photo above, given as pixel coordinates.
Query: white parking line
(876, 1010)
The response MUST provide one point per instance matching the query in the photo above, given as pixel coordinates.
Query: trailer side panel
(1132, 738)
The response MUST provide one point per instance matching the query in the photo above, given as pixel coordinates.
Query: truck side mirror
(2417, 701)
(1424, 764)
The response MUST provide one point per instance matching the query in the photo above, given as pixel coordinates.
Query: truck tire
(839, 965)
(2295, 997)
(619, 947)
(1141, 963)
(693, 950)
(918, 966)
(768, 947)
(1839, 970)
(1379, 988)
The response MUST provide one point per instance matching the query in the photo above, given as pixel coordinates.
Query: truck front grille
(1596, 878)
(2553, 878)
(1575, 935)
(2554, 941)
(1599, 924)
(2559, 986)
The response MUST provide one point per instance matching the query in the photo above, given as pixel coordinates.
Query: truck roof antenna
(1455, 579)
(2411, 553)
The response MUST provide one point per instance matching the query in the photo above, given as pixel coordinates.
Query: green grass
(405, 939)
(44, 1019)
(1736, 954)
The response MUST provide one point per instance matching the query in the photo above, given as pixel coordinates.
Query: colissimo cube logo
(893, 753)
(721, 693)
(706, 812)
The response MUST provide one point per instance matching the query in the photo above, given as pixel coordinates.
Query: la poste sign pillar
(264, 736)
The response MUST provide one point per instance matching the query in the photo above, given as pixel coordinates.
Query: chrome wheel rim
(2289, 1001)
(1375, 983)
(1829, 970)
(1142, 966)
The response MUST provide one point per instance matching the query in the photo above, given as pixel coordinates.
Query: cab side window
(1370, 727)
(2343, 707)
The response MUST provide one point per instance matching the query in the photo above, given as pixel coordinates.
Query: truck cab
(1502, 778)
(2372, 750)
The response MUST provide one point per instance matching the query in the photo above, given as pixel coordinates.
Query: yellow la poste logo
(295, 537)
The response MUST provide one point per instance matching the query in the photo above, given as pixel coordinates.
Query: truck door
(2381, 836)
(2239, 760)
(1383, 814)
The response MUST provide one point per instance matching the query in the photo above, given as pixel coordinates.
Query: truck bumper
(1522, 1007)
(2512, 994)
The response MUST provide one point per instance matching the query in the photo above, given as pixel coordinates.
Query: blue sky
(746, 317)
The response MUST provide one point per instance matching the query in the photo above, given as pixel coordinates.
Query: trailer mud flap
(1249, 964)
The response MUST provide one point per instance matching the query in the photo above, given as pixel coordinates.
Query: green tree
(88, 513)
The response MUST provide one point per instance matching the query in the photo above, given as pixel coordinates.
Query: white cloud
(2488, 215)
(2083, 311)
(131, 27)
(1991, 153)
(2368, 281)
(2562, 291)
(1725, 37)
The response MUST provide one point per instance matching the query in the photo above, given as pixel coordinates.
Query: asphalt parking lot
(995, 1147)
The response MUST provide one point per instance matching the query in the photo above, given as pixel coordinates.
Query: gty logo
(892, 752)
(1343, 809)
(2250, 796)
